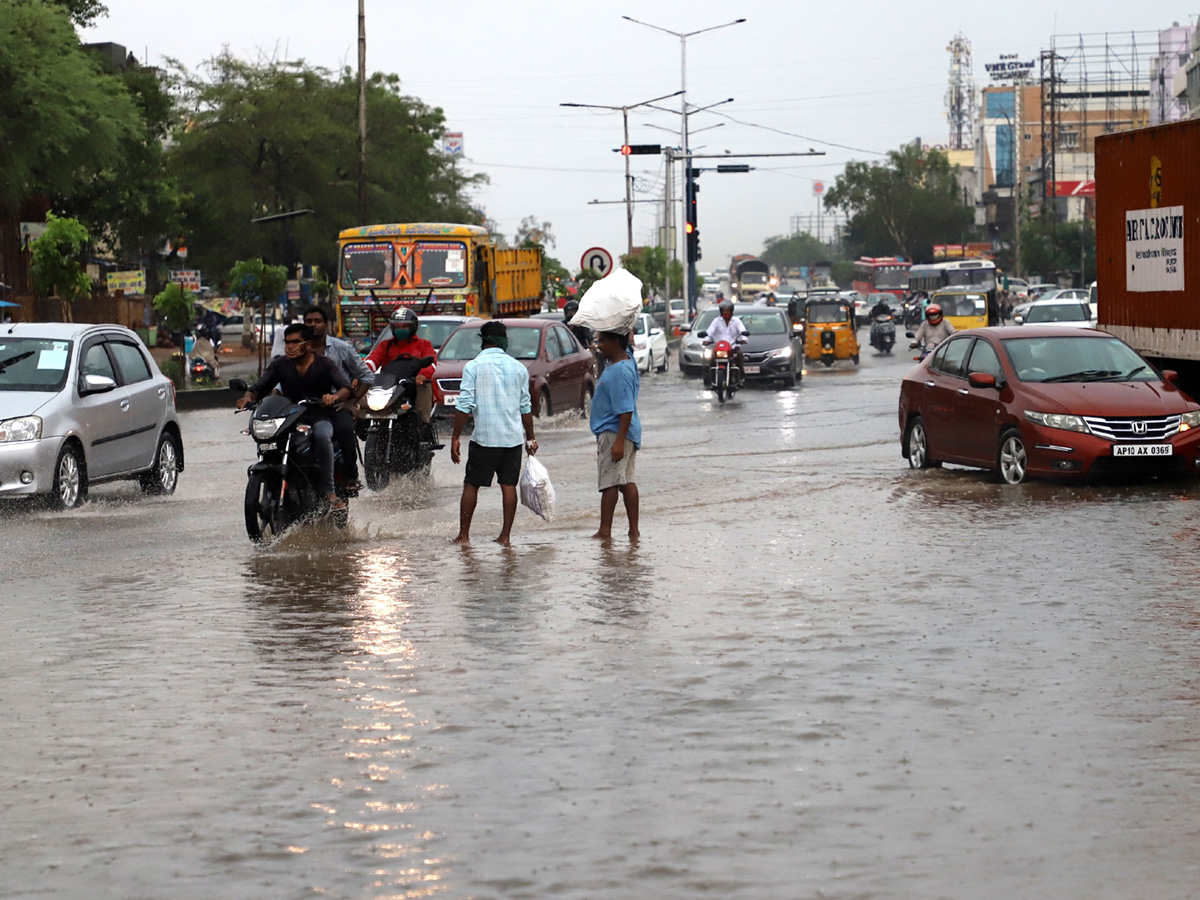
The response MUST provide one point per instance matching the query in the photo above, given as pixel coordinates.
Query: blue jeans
(322, 431)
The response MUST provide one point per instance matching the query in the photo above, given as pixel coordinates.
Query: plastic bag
(535, 488)
(611, 304)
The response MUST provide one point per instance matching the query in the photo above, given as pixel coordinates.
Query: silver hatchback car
(82, 404)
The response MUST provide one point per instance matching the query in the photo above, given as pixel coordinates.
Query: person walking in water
(618, 432)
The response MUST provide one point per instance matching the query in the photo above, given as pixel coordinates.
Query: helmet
(933, 313)
(569, 309)
(404, 316)
(725, 305)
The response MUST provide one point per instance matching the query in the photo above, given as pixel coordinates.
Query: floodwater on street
(817, 675)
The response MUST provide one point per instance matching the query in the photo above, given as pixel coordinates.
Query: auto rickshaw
(963, 308)
(829, 330)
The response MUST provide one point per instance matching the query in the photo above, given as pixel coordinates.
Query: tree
(531, 231)
(274, 137)
(257, 283)
(176, 308)
(651, 266)
(1049, 247)
(800, 249)
(57, 268)
(82, 12)
(902, 206)
(62, 119)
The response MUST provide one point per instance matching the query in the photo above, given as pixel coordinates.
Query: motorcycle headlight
(264, 429)
(721, 354)
(379, 398)
(1187, 421)
(26, 428)
(1057, 420)
(781, 353)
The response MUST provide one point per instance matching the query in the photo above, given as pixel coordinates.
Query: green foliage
(797, 250)
(280, 136)
(843, 272)
(175, 306)
(255, 282)
(82, 12)
(902, 206)
(1049, 247)
(173, 368)
(532, 232)
(587, 277)
(62, 119)
(57, 268)
(651, 266)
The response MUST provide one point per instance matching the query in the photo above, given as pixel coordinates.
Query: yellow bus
(435, 268)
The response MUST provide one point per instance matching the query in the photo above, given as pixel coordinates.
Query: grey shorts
(613, 474)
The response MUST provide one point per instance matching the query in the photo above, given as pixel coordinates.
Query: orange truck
(435, 268)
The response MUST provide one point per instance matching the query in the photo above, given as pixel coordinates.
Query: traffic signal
(693, 242)
(640, 149)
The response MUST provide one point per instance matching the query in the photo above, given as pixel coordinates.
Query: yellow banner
(130, 282)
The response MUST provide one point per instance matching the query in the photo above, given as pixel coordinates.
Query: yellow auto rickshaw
(963, 308)
(829, 330)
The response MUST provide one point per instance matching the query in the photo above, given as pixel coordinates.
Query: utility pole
(362, 113)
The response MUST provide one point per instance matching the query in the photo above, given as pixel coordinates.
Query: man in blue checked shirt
(495, 390)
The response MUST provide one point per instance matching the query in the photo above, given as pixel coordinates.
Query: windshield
(983, 277)
(523, 343)
(639, 325)
(758, 324)
(962, 304)
(1072, 358)
(436, 332)
(754, 278)
(368, 265)
(891, 276)
(1058, 312)
(827, 312)
(440, 264)
(27, 364)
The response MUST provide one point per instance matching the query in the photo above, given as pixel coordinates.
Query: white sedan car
(1068, 313)
(649, 345)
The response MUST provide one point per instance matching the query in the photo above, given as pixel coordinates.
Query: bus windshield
(891, 277)
(368, 265)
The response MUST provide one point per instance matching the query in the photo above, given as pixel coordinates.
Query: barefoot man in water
(495, 390)
(618, 431)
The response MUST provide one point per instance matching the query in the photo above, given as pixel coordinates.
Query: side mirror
(982, 380)
(426, 361)
(654, 331)
(1170, 376)
(97, 384)
(745, 334)
(909, 334)
(702, 334)
(1020, 320)
(685, 327)
(238, 384)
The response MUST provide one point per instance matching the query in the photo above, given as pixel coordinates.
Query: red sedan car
(562, 374)
(1051, 401)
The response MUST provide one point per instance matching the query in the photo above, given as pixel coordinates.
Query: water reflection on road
(816, 674)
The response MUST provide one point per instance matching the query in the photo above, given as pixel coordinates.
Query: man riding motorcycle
(882, 308)
(727, 327)
(361, 378)
(933, 330)
(404, 342)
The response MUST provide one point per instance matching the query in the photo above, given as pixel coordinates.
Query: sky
(852, 79)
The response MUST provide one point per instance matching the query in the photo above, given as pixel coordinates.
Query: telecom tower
(960, 95)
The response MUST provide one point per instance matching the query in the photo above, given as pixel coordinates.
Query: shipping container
(1147, 236)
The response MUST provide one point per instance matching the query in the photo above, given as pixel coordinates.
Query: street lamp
(690, 287)
(628, 177)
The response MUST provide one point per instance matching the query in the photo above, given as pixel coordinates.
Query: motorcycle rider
(404, 342)
(882, 308)
(934, 329)
(300, 374)
(361, 378)
(727, 327)
(583, 333)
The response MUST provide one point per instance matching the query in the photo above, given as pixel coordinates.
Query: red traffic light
(626, 150)
(639, 149)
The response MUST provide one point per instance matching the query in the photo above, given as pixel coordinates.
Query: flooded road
(817, 675)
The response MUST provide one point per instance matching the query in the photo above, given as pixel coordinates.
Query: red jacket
(392, 349)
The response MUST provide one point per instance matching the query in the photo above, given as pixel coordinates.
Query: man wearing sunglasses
(301, 375)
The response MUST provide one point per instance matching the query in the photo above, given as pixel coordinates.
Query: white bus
(975, 273)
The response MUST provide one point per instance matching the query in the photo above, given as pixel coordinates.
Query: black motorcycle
(395, 440)
(203, 371)
(883, 333)
(283, 487)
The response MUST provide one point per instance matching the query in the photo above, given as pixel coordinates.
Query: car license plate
(1143, 450)
(752, 370)
(450, 399)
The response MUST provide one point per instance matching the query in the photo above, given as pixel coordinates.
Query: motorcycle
(396, 441)
(723, 378)
(883, 333)
(923, 349)
(203, 371)
(282, 488)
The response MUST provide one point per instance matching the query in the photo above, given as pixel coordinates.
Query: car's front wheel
(1012, 462)
(70, 478)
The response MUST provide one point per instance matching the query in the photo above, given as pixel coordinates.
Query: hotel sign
(1010, 67)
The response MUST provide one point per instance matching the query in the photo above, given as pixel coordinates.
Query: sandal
(353, 487)
(336, 503)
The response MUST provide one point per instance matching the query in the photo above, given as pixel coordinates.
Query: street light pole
(628, 175)
(362, 112)
(689, 291)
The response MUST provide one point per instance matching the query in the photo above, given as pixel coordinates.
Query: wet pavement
(817, 674)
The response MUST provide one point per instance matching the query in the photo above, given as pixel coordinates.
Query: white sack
(611, 304)
(535, 488)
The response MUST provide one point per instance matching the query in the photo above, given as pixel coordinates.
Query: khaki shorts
(613, 474)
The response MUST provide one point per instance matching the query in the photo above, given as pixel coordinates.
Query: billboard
(131, 282)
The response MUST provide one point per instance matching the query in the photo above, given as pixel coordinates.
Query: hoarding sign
(188, 279)
(1154, 249)
(132, 282)
(1010, 66)
(452, 143)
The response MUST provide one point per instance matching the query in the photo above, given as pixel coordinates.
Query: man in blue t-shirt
(618, 431)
